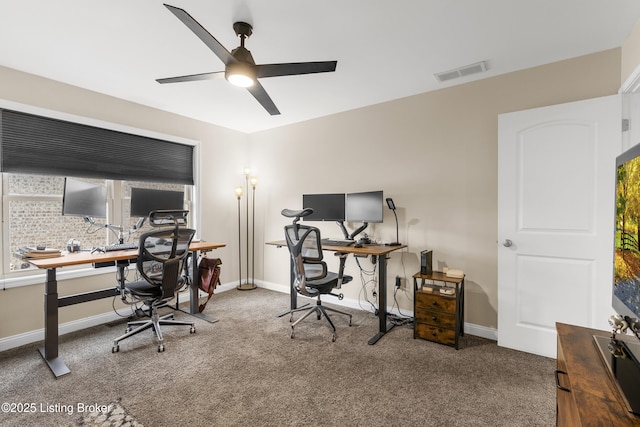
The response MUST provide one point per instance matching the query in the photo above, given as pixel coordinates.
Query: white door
(556, 173)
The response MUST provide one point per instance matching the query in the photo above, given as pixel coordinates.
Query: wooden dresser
(438, 317)
(586, 395)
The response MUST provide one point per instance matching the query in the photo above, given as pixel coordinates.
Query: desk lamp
(392, 206)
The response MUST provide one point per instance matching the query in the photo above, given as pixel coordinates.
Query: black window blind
(42, 145)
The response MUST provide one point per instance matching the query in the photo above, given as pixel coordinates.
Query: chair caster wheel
(126, 331)
(292, 334)
(115, 349)
(160, 348)
(333, 338)
(192, 330)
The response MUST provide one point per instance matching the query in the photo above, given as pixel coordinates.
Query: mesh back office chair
(310, 274)
(162, 255)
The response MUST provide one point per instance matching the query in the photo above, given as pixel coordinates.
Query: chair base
(320, 310)
(154, 322)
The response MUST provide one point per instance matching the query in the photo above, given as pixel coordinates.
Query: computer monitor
(326, 207)
(145, 200)
(365, 207)
(81, 198)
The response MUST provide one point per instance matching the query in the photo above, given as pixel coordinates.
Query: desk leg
(462, 308)
(384, 327)
(50, 350)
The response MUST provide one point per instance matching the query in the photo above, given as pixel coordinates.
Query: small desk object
(381, 252)
(52, 301)
(438, 308)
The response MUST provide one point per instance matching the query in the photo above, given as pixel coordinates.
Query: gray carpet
(246, 370)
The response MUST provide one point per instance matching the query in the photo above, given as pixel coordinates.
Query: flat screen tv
(145, 200)
(626, 260)
(326, 207)
(622, 356)
(81, 198)
(365, 207)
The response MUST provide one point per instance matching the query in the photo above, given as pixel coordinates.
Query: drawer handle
(558, 381)
(435, 302)
(434, 318)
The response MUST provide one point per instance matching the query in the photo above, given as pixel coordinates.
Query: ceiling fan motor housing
(242, 29)
(244, 66)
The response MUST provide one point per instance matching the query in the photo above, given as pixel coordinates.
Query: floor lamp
(254, 182)
(248, 284)
(239, 196)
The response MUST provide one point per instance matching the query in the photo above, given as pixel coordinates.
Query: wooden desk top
(79, 258)
(438, 276)
(371, 249)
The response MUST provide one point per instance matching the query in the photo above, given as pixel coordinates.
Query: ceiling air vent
(467, 70)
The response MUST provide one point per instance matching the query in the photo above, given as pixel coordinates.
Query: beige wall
(435, 154)
(631, 53)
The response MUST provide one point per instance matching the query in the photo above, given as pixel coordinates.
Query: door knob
(507, 243)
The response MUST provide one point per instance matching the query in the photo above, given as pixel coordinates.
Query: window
(38, 148)
(32, 207)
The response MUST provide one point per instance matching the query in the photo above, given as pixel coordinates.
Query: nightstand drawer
(436, 302)
(436, 318)
(433, 333)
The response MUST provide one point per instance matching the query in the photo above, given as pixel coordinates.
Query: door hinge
(625, 125)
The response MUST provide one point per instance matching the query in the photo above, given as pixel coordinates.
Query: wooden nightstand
(438, 317)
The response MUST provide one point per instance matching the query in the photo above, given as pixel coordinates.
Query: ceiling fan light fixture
(241, 74)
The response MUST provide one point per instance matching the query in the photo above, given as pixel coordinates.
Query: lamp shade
(241, 74)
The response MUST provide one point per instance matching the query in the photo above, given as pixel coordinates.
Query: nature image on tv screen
(627, 252)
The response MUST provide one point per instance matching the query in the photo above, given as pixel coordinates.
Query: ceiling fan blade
(258, 92)
(211, 42)
(193, 77)
(294, 68)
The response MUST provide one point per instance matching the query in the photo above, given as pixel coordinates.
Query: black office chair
(310, 275)
(161, 258)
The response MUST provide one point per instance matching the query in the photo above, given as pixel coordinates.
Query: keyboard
(332, 242)
(121, 247)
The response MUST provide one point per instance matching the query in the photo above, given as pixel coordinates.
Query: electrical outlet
(398, 282)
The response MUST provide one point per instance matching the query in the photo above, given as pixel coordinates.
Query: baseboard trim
(87, 322)
(64, 328)
(469, 328)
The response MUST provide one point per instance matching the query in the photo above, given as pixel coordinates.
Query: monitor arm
(345, 233)
(355, 233)
(359, 230)
(117, 229)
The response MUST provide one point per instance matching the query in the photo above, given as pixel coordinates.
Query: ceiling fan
(240, 68)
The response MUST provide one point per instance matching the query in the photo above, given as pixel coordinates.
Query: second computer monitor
(145, 200)
(326, 207)
(365, 207)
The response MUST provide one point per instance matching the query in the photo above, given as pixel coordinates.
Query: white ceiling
(385, 49)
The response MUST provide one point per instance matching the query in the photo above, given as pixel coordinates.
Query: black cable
(365, 282)
(401, 319)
